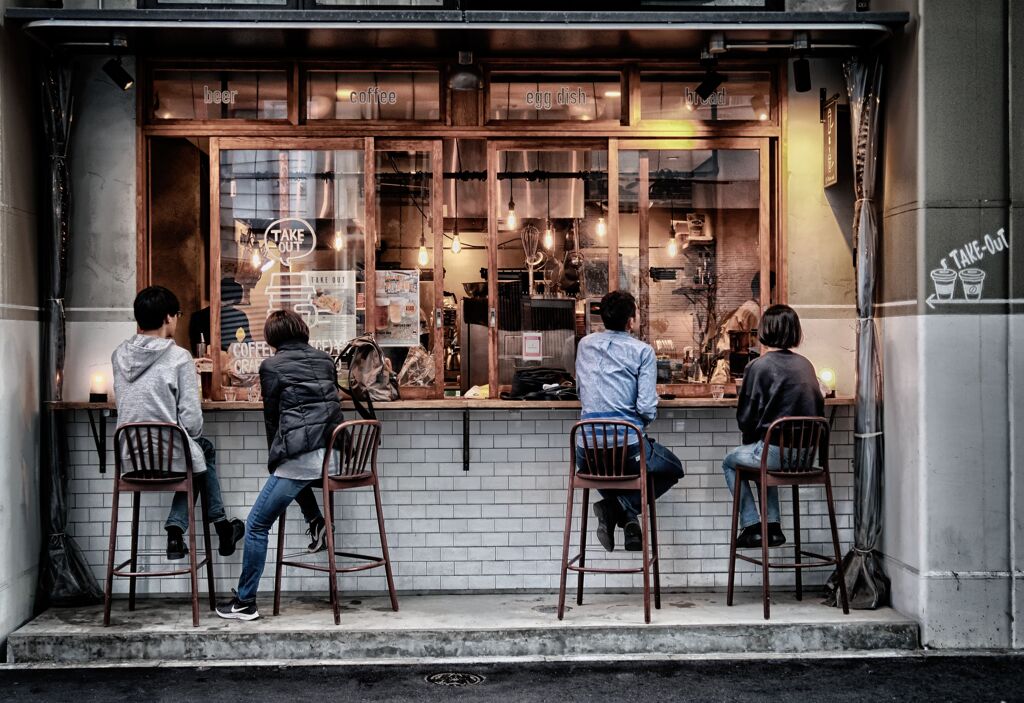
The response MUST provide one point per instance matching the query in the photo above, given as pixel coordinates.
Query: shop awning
(364, 33)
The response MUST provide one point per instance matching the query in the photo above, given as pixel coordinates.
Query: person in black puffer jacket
(301, 408)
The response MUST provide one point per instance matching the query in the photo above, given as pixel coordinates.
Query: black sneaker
(318, 535)
(230, 533)
(606, 516)
(634, 536)
(749, 537)
(776, 537)
(235, 609)
(176, 548)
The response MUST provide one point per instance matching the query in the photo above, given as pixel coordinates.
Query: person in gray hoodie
(155, 381)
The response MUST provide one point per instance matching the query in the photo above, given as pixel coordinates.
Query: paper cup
(945, 283)
(972, 281)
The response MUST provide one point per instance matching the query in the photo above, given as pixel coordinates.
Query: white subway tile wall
(496, 527)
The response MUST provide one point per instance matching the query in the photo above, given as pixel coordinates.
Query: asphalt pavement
(906, 678)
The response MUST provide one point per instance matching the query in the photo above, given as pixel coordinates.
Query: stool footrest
(117, 571)
(823, 561)
(373, 563)
(602, 570)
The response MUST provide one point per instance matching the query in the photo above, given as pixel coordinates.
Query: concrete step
(458, 627)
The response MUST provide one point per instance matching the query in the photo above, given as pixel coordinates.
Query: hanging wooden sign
(830, 129)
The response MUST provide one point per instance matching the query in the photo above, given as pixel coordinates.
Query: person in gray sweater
(155, 381)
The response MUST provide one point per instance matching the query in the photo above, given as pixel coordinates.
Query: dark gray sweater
(779, 384)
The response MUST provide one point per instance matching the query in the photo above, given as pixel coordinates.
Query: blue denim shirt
(616, 375)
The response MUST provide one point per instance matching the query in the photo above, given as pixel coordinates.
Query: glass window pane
(552, 255)
(292, 225)
(403, 301)
(702, 286)
(738, 96)
(465, 265)
(220, 95)
(556, 96)
(373, 95)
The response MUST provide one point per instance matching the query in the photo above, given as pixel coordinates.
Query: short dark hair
(780, 328)
(285, 326)
(617, 308)
(153, 305)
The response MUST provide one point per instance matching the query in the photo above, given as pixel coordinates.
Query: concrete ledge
(449, 627)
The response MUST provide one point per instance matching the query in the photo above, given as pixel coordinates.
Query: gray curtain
(866, 582)
(64, 575)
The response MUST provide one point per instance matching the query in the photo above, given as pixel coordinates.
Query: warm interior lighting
(673, 243)
(98, 383)
(456, 244)
(613, 93)
(423, 258)
(757, 104)
(549, 237)
(828, 377)
(257, 260)
(602, 227)
(339, 241)
(510, 219)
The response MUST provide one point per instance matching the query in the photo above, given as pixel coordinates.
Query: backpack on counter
(370, 376)
(528, 384)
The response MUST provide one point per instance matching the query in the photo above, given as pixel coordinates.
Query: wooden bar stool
(800, 440)
(357, 467)
(150, 447)
(607, 467)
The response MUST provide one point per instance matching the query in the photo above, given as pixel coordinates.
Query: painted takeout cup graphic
(945, 283)
(972, 280)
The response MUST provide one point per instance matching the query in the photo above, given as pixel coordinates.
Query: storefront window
(725, 97)
(552, 253)
(694, 219)
(568, 97)
(403, 300)
(373, 95)
(219, 95)
(291, 237)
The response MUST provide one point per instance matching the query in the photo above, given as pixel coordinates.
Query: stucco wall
(19, 336)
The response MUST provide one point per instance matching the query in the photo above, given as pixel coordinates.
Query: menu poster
(396, 308)
(334, 309)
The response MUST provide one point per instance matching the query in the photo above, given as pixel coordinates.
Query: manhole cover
(454, 678)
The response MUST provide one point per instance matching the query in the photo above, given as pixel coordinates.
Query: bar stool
(150, 447)
(357, 467)
(800, 440)
(606, 467)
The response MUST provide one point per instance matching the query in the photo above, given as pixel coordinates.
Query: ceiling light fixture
(712, 78)
(467, 76)
(117, 73)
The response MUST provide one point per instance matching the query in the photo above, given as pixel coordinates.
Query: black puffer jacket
(300, 401)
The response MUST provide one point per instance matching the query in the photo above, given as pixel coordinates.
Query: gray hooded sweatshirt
(155, 381)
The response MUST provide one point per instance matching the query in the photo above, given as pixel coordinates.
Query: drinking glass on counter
(717, 391)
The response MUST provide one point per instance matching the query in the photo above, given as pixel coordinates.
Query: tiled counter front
(497, 526)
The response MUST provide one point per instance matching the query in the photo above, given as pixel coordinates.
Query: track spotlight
(466, 76)
(712, 78)
(115, 71)
(802, 75)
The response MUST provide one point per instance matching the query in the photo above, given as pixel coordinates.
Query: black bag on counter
(528, 384)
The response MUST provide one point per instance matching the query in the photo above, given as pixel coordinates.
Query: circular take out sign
(289, 238)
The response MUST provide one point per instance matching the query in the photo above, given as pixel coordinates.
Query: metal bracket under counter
(98, 426)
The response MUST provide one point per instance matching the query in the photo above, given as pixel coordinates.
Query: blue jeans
(208, 487)
(277, 494)
(664, 469)
(750, 455)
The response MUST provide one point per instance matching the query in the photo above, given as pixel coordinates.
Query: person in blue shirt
(616, 375)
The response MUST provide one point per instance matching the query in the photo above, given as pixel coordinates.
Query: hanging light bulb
(549, 237)
(233, 188)
(456, 244)
(339, 241)
(510, 219)
(257, 260)
(673, 244)
(423, 258)
(602, 228)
